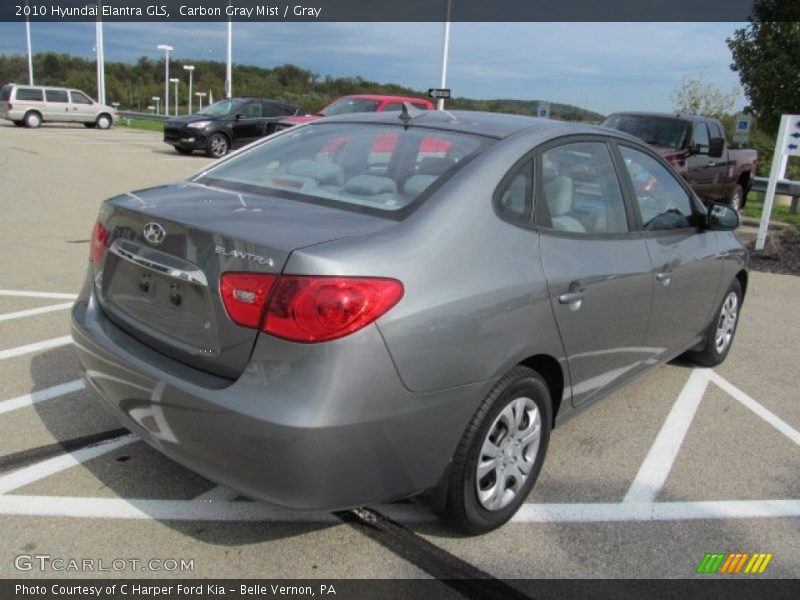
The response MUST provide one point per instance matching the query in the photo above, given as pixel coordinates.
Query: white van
(32, 105)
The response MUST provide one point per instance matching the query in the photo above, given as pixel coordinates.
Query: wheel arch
(550, 369)
(743, 278)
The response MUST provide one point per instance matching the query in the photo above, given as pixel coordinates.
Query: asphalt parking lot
(680, 463)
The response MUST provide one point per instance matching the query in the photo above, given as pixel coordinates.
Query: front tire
(103, 122)
(501, 453)
(720, 333)
(217, 145)
(33, 120)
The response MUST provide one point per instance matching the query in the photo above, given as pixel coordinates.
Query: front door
(686, 269)
(82, 108)
(597, 267)
(248, 126)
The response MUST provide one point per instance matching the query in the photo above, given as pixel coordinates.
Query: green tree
(766, 54)
(698, 96)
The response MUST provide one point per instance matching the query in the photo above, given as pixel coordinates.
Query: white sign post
(787, 144)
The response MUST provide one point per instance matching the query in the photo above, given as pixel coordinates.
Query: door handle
(572, 297)
(664, 277)
(722, 254)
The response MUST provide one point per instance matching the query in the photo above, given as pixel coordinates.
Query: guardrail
(142, 116)
(785, 187)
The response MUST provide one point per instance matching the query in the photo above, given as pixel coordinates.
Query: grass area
(142, 124)
(755, 204)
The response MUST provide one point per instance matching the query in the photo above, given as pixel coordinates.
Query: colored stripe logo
(734, 563)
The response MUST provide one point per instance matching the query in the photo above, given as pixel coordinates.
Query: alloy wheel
(727, 322)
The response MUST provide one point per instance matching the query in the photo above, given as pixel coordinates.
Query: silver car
(373, 307)
(32, 105)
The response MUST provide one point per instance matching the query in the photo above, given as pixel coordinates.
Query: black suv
(226, 124)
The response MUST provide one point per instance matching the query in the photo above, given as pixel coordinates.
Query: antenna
(408, 112)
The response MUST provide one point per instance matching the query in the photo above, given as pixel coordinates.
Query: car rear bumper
(319, 428)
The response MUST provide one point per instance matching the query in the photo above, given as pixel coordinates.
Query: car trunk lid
(168, 246)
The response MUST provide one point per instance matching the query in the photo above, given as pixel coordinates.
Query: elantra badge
(154, 233)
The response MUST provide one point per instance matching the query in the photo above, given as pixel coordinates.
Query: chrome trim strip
(194, 276)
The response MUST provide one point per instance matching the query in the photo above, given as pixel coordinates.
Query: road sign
(543, 111)
(787, 144)
(742, 125)
(439, 93)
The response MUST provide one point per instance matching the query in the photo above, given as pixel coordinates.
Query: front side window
(663, 203)
(218, 109)
(80, 98)
(373, 167)
(581, 189)
(56, 96)
(700, 135)
(30, 94)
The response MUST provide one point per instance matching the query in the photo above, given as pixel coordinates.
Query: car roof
(488, 124)
(663, 115)
(382, 97)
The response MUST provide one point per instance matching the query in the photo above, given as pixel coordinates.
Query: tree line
(133, 85)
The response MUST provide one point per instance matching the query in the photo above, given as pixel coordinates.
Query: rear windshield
(29, 94)
(5, 93)
(373, 168)
(656, 131)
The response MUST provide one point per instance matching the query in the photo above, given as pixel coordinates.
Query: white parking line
(45, 345)
(35, 311)
(26, 294)
(40, 470)
(41, 396)
(658, 462)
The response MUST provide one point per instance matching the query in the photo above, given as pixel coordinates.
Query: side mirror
(722, 217)
(715, 147)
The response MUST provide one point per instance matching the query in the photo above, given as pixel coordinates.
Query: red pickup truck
(695, 146)
(358, 103)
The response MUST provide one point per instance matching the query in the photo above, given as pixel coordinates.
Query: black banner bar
(375, 10)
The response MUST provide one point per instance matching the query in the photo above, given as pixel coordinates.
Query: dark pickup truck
(696, 147)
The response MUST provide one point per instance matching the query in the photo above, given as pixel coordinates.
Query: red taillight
(306, 308)
(245, 295)
(99, 243)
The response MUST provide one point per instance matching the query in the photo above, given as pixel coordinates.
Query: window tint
(350, 105)
(80, 98)
(28, 94)
(581, 189)
(699, 134)
(513, 197)
(56, 96)
(393, 106)
(5, 93)
(370, 166)
(272, 109)
(667, 132)
(663, 203)
(251, 110)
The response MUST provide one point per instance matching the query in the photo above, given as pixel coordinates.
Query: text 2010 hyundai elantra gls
(374, 307)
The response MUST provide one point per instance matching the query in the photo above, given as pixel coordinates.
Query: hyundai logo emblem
(154, 233)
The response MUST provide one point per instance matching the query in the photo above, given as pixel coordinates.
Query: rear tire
(736, 199)
(501, 453)
(103, 122)
(720, 333)
(217, 145)
(33, 120)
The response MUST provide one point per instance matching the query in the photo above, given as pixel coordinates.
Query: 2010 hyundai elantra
(373, 307)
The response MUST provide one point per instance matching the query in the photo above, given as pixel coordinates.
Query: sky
(605, 67)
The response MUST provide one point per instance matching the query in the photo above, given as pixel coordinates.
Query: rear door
(56, 105)
(686, 265)
(597, 266)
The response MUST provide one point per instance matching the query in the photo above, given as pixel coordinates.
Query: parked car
(696, 148)
(321, 328)
(32, 105)
(357, 103)
(226, 124)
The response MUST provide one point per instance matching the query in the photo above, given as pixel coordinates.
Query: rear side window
(56, 96)
(30, 94)
(80, 98)
(5, 93)
(663, 203)
(581, 189)
(513, 197)
(251, 110)
(271, 109)
(392, 106)
(366, 167)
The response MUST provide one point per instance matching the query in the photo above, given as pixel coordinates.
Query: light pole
(200, 96)
(157, 100)
(189, 68)
(176, 81)
(30, 54)
(445, 48)
(229, 61)
(167, 49)
(101, 58)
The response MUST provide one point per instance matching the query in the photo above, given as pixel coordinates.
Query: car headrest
(559, 195)
(370, 185)
(324, 173)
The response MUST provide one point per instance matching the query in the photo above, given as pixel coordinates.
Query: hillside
(133, 85)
